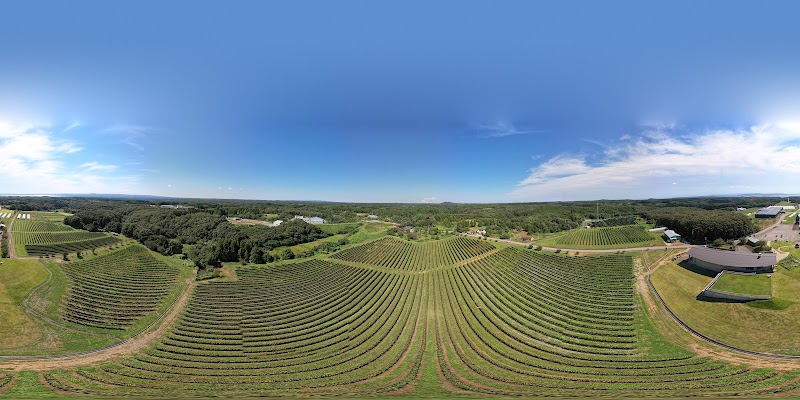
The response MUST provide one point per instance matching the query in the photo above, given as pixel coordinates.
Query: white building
(277, 222)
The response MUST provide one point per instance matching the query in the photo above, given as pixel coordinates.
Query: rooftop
(771, 210)
(733, 258)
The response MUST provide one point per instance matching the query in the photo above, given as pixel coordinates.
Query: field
(115, 290)
(756, 285)
(43, 238)
(399, 254)
(17, 278)
(742, 324)
(507, 322)
(598, 238)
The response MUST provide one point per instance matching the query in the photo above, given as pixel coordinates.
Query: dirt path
(130, 346)
(665, 247)
(12, 252)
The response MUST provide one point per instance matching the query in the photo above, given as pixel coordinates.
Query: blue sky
(400, 101)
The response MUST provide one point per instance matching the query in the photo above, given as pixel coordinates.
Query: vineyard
(115, 290)
(399, 254)
(42, 238)
(613, 236)
(512, 322)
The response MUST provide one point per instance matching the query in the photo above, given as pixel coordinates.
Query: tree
(286, 254)
(257, 256)
(5, 246)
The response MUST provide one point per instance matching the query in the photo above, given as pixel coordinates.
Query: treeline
(698, 224)
(616, 221)
(211, 239)
(201, 223)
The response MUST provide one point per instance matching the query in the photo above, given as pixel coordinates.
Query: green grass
(17, 279)
(370, 231)
(59, 336)
(740, 324)
(28, 386)
(336, 228)
(748, 284)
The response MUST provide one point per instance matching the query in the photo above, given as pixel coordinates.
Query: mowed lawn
(768, 325)
(757, 285)
(17, 278)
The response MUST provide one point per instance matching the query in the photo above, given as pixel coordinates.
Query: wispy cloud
(647, 165)
(430, 200)
(73, 125)
(498, 129)
(132, 135)
(36, 161)
(95, 166)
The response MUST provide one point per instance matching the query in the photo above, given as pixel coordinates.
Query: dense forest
(700, 225)
(199, 227)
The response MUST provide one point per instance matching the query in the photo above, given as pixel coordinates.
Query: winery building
(724, 260)
(768, 212)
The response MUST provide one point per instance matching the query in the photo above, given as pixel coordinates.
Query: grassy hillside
(758, 325)
(17, 279)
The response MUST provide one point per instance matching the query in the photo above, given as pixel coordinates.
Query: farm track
(595, 251)
(126, 347)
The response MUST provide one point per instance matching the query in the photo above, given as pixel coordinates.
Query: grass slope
(17, 279)
(757, 285)
(760, 325)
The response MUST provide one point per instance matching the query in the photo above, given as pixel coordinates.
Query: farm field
(400, 254)
(116, 290)
(742, 324)
(44, 238)
(508, 322)
(604, 238)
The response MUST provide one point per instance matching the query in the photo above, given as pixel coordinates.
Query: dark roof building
(724, 260)
(769, 212)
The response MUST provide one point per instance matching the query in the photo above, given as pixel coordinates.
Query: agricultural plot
(42, 238)
(115, 290)
(393, 253)
(511, 323)
(603, 237)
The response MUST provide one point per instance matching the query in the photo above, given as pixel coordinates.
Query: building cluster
(312, 220)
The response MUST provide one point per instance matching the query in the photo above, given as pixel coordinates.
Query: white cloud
(95, 166)
(132, 135)
(430, 200)
(650, 165)
(35, 161)
(72, 126)
(499, 129)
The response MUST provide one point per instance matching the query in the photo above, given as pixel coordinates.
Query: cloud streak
(500, 129)
(34, 161)
(705, 162)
